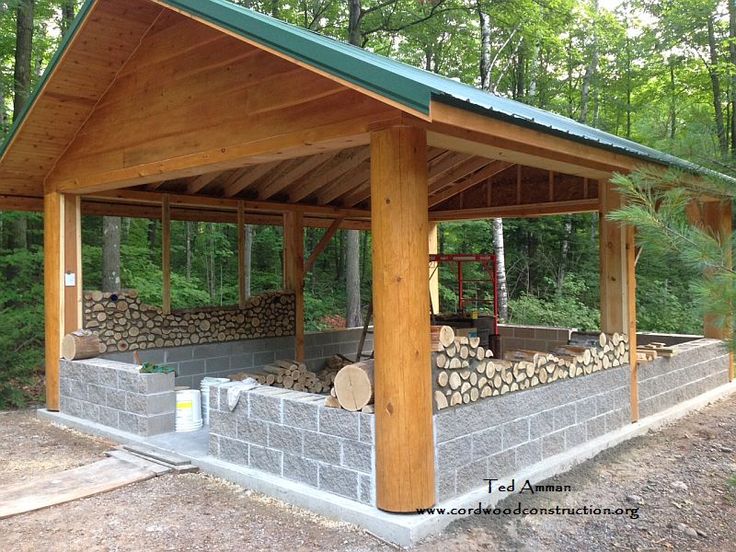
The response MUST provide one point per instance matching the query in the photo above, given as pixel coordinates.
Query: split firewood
(354, 385)
(442, 337)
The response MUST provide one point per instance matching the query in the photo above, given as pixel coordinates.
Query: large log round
(354, 385)
(80, 345)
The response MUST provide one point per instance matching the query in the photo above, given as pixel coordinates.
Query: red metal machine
(467, 303)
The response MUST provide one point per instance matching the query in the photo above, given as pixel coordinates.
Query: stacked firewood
(465, 372)
(291, 374)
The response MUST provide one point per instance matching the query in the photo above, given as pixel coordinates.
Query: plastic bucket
(188, 410)
(205, 388)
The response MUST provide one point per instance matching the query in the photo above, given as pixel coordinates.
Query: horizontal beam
(518, 211)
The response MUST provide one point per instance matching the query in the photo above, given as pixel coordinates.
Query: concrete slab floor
(403, 530)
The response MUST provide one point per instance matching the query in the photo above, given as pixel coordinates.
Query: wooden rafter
(517, 211)
(457, 172)
(298, 169)
(317, 179)
(346, 183)
(248, 178)
(201, 182)
(490, 170)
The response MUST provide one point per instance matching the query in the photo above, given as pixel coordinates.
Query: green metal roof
(402, 83)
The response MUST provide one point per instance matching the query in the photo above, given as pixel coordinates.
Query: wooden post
(405, 478)
(241, 255)
(618, 281)
(73, 306)
(166, 254)
(434, 269)
(717, 219)
(53, 255)
(294, 273)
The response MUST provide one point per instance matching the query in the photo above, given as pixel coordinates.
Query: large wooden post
(62, 282)
(618, 281)
(294, 273)
(405, 478)
(434, 269)
(717, 219)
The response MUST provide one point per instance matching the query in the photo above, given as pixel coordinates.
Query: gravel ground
(682, 479)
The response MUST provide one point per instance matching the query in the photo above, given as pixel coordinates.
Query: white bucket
(188, 410)
(205, 387)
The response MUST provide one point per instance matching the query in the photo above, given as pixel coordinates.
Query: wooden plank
(613, 264)
(241, 256)
(343, 163)
(73, 305)
(201, 182)
(305, 165)
(405, 478)
(322, 245)
(492, 168)
(517, 211)
(434, 272)
(294, 273)
(166, 254)
(58, 488)
(53, 249)
(457, 172)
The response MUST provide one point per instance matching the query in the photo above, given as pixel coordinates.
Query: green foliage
(148, 368)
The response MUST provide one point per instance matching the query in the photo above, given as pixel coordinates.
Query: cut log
(440, 360)
(456, 399)
(442, 379)
(474, 342)
(80, 345)
(474, 393)
(455, 363)
(455, 380)
(332, 402)
(442, 337)
(464, 352)
(354, 385)
(440, 400)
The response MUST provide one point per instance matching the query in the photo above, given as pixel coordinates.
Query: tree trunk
(485, 48)
(732, 58)
(355, 15)
(564, 253)
(248, 247)
(590, 69)
(111, 254)
(190, 240)
(352, 278)
(503, 296)
(673, 101)
(715, 82)
(67, 16)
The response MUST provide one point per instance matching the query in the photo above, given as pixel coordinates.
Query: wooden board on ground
(57, 488)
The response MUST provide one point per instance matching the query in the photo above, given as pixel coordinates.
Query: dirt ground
(682, 479)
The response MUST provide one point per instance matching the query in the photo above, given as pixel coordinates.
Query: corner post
(618, 281)
(405, 476)
(294, 273)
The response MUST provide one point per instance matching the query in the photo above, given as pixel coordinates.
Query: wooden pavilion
(202, 110)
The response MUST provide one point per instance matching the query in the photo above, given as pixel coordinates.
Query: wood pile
(650, 351)
(465, 372)
(290, 374)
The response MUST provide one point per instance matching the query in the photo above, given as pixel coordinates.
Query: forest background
(660, 72)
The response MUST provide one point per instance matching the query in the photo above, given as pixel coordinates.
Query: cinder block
(552, 444)
(97, 394)
(264, 407)
(357, 456)
(131, 381)
(564, 416)
(286, 439)
(64, 386)
(528, 454)
(253, 431)
(241, 361)
(470, 476)
(185, 381)
(135, 403)
(366, 488)
(176, 354)
(161, 423)
(213, 447)
(595, 427)
(367, 427)
(502, 464)
(301, 414)
(613, 420)
(224, 423)
(214, 398)
(158, 383)
(342, 423)
(218, 364)
(71, 406)
(604, 403)
(190, 368)
(211, 350)
(78, 389)
(90, 411)
(266, 459)
(232, 450)
(89, 373)
(575, 435)
(325, 448)
(263, 357)
(339, 481)
(108, 416)
(540, 424)
(446, 484)
(486, 443)
(160, 403)
(514, 433)
(301, 469)
(455, 453)
(108, 376)
(132, 423)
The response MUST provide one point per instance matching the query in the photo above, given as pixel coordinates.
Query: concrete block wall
(697, 367)
(535, 338)
(293, 435)
(498, 436)
(116, 395)
(193, 362)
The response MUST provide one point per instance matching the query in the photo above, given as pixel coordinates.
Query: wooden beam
(517, 211)
(166, 254)
(73, 306)
(618, 281)
(207, 202)
(200, 182)
(248, 178)
(294, 274)
(405, 478)
(19, 203)
(491, 169)
(241, 256)
(53, 248)
(284, 179)
(343, 164)
(434, 269)
(322, 245)
(457, 172)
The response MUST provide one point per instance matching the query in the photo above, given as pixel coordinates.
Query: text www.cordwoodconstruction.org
(520, 510)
